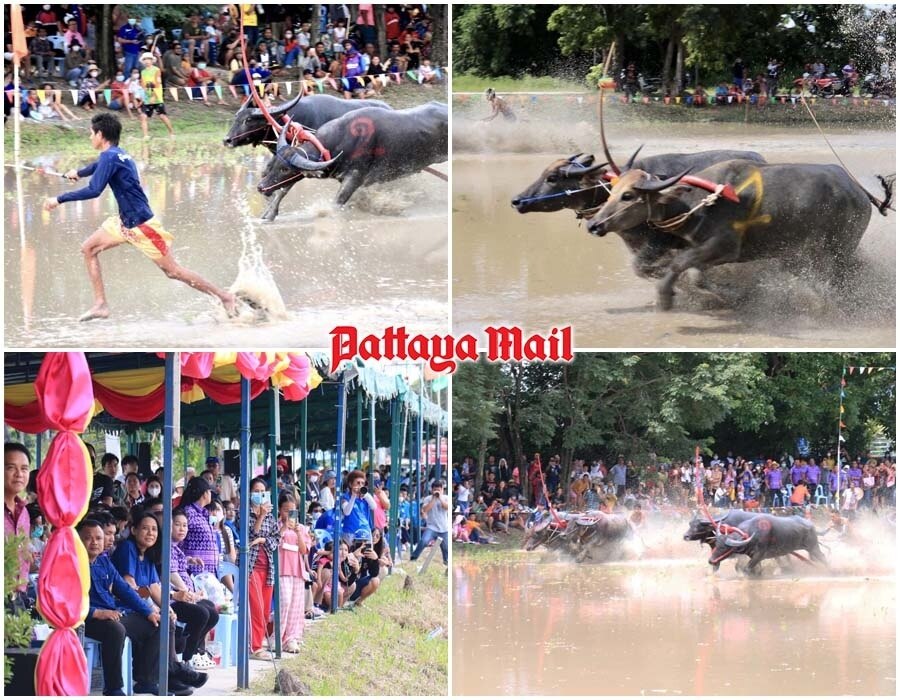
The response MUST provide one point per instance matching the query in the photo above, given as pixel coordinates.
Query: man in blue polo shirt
(117, 611)
(131, 37)
(135, 224)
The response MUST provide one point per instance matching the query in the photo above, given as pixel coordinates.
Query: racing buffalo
(593, 535)
(367, 146)
(250, 127)
(768, 537)
(810, 217)
(581, 184)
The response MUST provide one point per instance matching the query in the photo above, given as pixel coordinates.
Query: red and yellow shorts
(149, 237)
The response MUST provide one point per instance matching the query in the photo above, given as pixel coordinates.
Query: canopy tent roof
(204, 417)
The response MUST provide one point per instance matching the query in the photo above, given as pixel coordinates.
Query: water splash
(254, 279)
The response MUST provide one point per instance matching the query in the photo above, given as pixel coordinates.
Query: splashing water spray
(254, 283)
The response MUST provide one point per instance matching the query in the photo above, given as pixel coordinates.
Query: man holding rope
(135, 224)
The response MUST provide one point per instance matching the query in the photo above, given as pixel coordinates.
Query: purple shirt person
(200, 541)
(773, 478)
(798, 472)
(812, 473)
(855, 474)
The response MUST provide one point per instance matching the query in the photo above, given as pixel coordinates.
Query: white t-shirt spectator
(437, 518)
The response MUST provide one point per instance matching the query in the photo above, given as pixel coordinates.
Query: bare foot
(97, 311)
(230, 304)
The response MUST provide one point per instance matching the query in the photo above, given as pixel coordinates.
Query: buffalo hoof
(665, 301)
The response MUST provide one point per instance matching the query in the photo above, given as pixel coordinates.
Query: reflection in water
(381, 261)
(539, 270)
(667, 627)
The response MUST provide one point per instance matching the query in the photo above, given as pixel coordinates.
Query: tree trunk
(679, 69)
(479, 469)
(106, 53)
(667, 64)
(314, 25)
(382, 31)
(438, 13)
(618, 60)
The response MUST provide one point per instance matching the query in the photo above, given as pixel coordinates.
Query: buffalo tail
(887, 183)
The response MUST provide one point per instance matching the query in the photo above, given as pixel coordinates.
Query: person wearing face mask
(90, 85)
(130, 37)
(153, 487)
(291, 50)
(48, 20)
(74, 65)
(264, 540)
(357, 505)
(200, 78)
(313, 488)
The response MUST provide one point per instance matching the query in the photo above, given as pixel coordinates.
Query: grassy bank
(508, 548)
(832, 113)
(196, 127)
(505, 83)
(379, 648)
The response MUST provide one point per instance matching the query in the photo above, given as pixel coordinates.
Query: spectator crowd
(204, 56)
(496, 501)
(122, 533)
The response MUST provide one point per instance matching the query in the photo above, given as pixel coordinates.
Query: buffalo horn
(575, 157)
(630, 164)
(569, 171)
(301, 162)
(659, 185)
(282, 140)
(739, 543)
(612, 163)
(282, 108)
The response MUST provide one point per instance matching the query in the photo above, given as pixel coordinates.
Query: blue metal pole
(273, 457)
(304, 412)
(338, 511)
(243, 604)
(396, 457)
(166, 526)
(37, 457)
(372, 439)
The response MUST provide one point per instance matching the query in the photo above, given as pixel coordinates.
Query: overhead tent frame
(22, 368)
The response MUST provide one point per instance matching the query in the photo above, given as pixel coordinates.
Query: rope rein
(881, 204)
(676, 222)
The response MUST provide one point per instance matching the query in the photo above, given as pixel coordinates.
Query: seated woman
(135, 560)
(366, 566)
(117, 611)
(50, 107)
(189, 603)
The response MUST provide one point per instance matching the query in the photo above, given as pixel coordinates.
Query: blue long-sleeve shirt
(115, 168)
(107, 586)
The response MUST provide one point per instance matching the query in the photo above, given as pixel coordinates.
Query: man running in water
(499, 106)
(135, 224)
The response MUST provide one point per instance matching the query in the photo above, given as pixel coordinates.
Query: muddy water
(381, 261)
(541, 270)
(668, 627)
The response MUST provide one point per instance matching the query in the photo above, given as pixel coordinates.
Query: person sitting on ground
(173, 70)
(427, 73)
(116, 611)
(198, 79)
(49, 107)
(120, 99)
